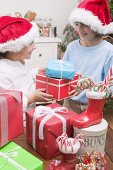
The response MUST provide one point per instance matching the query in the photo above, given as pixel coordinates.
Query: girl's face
(85, 32)
(26, 51)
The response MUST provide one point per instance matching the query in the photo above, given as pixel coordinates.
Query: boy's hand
(75, 91)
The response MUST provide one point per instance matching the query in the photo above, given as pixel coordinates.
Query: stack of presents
(53, 129)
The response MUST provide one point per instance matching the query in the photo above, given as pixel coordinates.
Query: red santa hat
(94, 13)
(16, 33)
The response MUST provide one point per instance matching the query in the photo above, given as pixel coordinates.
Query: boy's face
(85, 32)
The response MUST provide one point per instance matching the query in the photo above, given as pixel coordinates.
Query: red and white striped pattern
(70, 145)
(109, 75)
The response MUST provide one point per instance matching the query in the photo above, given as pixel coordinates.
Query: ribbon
(48, 113)
(61, 63)
(4, 113)
(15, 94)
(8, 156)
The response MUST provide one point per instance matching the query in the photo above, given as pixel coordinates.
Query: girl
(17, 37)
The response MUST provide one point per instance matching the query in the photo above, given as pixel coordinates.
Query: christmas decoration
(16, 33)
(97, 13)
(92, 161)
(87, 161)
(93, 114)
(30, 15)
(68, 147)
(111, 8)
(70, 34)
(96, 97)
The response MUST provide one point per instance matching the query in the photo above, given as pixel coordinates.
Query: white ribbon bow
(48, 113)
(8, 156)
(61, 63)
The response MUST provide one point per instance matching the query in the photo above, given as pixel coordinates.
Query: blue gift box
(60, 69)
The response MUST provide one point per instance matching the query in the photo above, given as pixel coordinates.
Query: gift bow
(48, 113)
(4, 113)
(61, 63)
(9, 155)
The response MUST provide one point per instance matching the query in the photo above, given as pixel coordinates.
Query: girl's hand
(39, 96)
(42, 70)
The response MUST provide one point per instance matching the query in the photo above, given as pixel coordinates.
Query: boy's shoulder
(108, 45)
(73, 43)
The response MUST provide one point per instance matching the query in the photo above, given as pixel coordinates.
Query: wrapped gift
(11, 115)
(13, 157)
(59, 88)
(44, 125)
(60, 69)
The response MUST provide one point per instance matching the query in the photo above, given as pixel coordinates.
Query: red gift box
(59, 88)
(11, 115)
(42, 135)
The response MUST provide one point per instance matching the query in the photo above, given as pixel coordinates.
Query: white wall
(58, 10)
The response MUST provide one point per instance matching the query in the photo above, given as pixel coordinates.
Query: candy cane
(81, 139)
(110, 83)
(85, 83)
(110, 73)
(67, 144)
(61, 139)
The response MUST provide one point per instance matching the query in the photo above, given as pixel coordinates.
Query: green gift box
(14, 157)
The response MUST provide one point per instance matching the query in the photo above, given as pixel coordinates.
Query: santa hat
(16, 33)
(94, 13)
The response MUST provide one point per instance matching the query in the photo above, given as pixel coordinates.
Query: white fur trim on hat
(88, 18)
(21, 42)
(95, 95)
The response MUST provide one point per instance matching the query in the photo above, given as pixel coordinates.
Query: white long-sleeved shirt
(15, 76)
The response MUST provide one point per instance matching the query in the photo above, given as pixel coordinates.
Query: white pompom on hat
(16, 33)
(94, 13)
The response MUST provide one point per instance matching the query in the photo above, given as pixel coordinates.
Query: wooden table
(109, 149)
(21, 140)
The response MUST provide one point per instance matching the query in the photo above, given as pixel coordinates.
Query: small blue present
(60, 69)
